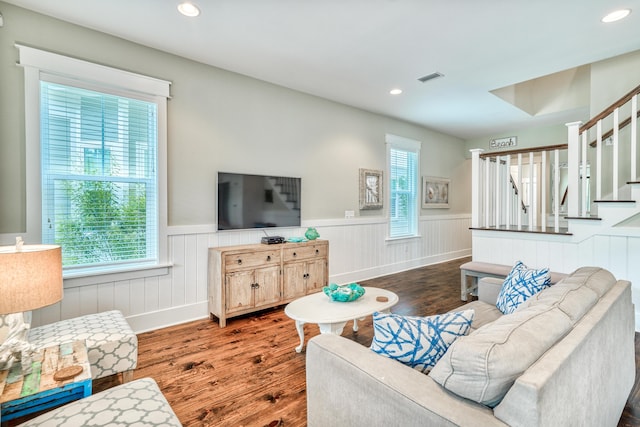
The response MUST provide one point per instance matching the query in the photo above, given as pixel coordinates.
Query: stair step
(525, 229)
(592, 218)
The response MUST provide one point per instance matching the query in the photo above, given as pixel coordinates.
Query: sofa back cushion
(483, 365)
(576, 294)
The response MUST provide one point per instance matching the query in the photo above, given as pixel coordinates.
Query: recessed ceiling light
(395, 91)
(188, 9)
(616, 15)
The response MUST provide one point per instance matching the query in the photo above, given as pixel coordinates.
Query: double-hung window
(404, 165)
(101, 144)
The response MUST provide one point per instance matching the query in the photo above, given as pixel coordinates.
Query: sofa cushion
(519, 285)
(483, 313)
(418, 342)
(483, 365)
(576, 294)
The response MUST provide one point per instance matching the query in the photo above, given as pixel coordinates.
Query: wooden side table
(21, 395)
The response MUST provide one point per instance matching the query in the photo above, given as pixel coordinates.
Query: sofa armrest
(350, 385)
(488, 289)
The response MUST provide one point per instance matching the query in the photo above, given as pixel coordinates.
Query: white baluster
(487, 184)
(615, 153)
(498, 192)
(634, 136)
(532, 203)
(556, 190)
(543, 188)
(599, 160)
(519, 186)
(509, 206)
(583, 183)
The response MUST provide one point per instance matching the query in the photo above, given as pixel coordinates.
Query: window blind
(403, 193)
(99, 176)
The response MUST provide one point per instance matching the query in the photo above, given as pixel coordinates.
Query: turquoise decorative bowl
(344, 293)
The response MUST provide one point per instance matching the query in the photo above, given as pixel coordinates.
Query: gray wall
(220, 120)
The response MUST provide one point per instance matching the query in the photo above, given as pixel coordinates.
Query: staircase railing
(615, 158)
(519, 200)
(621, 161)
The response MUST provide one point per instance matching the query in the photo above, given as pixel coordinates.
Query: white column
(599, 160)
(475, 186)
(573, 184)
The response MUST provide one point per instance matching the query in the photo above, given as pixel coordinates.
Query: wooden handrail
(524, 150)
(588, 125)
(609, 133)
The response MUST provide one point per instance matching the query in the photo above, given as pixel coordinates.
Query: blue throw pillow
(519, 285)
(418, 342)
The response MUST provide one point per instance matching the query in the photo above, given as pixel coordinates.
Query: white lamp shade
(30, 277)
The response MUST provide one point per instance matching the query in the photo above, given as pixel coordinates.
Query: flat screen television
(257, 201)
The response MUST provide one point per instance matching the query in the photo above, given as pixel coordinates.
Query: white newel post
(573, 185)
(476, 172)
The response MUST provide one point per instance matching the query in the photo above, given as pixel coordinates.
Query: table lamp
(30, 278)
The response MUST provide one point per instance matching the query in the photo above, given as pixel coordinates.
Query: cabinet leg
(300, 329)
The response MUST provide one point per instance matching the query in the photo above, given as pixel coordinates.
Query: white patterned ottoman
(139, 403)
(112, 346)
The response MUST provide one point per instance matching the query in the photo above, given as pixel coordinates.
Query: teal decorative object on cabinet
(311, 233)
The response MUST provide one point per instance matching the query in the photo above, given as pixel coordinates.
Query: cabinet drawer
(304, 252)
(244, 260)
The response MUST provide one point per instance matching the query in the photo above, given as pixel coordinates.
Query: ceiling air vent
(430, 77)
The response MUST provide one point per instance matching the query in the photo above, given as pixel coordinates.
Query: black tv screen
(257, 201)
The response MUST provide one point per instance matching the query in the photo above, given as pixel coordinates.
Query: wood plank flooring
(248, 373)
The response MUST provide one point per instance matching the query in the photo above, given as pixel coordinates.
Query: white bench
(476, 269)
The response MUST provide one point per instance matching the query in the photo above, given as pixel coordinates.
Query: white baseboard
(383, 270)
(169, 317)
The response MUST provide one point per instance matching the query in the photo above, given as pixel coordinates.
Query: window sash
(403, 186)
(99, 181)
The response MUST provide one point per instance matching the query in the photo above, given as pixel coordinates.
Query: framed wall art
(435, 192)
(370, 189)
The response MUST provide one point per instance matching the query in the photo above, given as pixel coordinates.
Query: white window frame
(37, 63)
(406, 144)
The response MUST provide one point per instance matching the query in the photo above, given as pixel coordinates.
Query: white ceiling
(355, 51)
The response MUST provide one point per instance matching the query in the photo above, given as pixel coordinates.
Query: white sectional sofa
(582, 378)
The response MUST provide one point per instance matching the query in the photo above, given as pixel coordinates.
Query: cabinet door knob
(295, 254)
(317, 251)
(268, 257)
(256, 285)
(239, 262)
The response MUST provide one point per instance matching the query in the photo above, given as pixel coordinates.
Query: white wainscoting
(616, 251)
(358, 250)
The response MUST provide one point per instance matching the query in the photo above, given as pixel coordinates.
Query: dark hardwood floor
(248, 373)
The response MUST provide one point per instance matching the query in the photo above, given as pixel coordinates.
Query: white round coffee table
(331, 316)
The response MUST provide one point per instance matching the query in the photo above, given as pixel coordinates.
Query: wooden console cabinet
(247, 278)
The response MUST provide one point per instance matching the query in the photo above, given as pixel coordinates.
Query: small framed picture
(370, 189)
(435, 192)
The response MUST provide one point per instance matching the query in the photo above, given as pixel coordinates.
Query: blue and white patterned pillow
(520, 284)
(418, 342)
